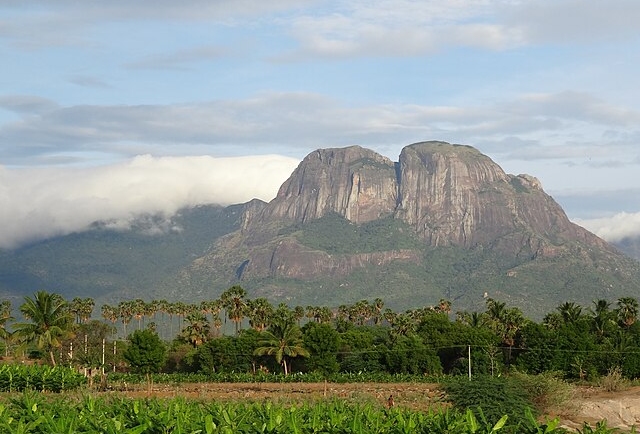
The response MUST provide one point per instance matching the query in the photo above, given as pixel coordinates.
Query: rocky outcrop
(445, 221)
(449, 194)
(290, 259)
(354, 182)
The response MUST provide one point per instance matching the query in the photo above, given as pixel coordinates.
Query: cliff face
(443, 221)
(354, 182)
(454, 195)
(449, 194)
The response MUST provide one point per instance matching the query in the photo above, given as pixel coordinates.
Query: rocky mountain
(502, 234)
(630, 246)
(444, 221)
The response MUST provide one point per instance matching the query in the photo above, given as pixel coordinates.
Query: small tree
(322, 341)
(283, 342)
(145, 353)
(49, 322)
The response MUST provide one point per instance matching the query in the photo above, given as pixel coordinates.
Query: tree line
(577, 341)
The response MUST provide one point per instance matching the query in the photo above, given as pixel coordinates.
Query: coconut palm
(472, 319)
(570, 312)
(283, 342)
(298, 314)
(50, 322)
(627, 311)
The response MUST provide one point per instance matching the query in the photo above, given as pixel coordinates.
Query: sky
(111, 109)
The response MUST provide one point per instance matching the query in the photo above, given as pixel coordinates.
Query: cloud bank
(41, 202)
(614, 229)
(37, 203)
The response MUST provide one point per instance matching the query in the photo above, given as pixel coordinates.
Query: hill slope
(442, 222)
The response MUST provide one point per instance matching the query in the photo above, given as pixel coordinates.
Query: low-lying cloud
(37, 203)
(614, 229)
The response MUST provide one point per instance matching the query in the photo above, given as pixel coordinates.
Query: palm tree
(139, 311)
(51, 322)
(444, 306)
(283, 341)
(362, 312)
(377, 307)
(603, 319)
(505, 322)
(82, 308)
(570, 312)
(473, 319)
(125, 313)
(260, 312)
(495, 309)
(627, 311)
(5, 317)
(197, 331)
(403, 325)
(324, 315)
(234, 302)
(298, 314)
(213, 308)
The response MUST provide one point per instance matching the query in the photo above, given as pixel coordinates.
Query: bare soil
(621, 409)
(417, 396)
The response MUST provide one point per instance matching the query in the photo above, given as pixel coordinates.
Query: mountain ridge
(444, 221)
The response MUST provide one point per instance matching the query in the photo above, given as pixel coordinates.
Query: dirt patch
(418, 396)
(621, 409)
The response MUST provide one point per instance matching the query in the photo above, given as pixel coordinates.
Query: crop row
(34, 413)
(262, 377)
(16, 378)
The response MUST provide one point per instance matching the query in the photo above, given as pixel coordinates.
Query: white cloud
(41, 202)
(613, 229)
(178, 59)
(575, 21)
(409, 28)
(567, 125)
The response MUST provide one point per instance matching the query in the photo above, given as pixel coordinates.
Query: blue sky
(113, 108)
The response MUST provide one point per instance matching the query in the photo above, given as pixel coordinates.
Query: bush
(545, 391)
(490, 398)
(613, 381)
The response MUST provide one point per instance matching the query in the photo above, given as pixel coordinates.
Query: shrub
(545, 391)
(490, 398)
(613, 381)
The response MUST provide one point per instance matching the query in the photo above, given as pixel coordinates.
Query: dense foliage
(575, 342)
(18, 378)
(31, 413)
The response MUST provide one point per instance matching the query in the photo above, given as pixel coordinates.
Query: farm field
(591, 404)
(415, 396)
(620, 408)
(247, 404)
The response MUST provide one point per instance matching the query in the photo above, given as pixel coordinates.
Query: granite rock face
(446, 221)
(450, 195)
(354, 182)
